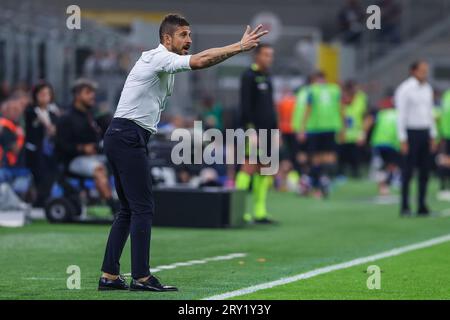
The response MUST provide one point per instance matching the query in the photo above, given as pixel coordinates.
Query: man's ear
(167, 39)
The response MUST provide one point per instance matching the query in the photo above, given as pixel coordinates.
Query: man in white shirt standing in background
(143, 97)
(417, 133)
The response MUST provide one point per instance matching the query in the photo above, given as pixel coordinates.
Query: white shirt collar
(161, 47)
(417, 82)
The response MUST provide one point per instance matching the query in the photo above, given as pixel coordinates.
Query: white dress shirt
(414, 103)
(148, 86)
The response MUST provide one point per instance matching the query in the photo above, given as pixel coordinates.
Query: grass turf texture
(311, 234)
(421, 274)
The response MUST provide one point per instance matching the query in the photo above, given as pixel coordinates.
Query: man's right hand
(251, 39)
(404, 148)
(213, 56)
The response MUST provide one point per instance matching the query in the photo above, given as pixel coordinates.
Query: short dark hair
(260, 47)
(170, 23)
(415, 65)
(82, 84)
(319, 74)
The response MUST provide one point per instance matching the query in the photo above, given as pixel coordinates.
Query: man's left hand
(433, 145)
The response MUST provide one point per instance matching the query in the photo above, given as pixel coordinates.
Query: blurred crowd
(367, 138)
(45, 141)
(42, 143)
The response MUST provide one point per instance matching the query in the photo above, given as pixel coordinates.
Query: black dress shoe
(105, 284)
(264, 221)
(423, 212)
(151, 284)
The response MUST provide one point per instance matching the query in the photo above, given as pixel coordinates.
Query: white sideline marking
(445, 214)
(44, 279)
(167, 267)
(344, 265)
(194, 262)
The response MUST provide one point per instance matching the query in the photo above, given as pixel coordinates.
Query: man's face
(421, 73)
(180, 41)
(264, 58)
(87, 97)
(13, 110)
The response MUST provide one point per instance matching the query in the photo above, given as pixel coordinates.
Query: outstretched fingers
(259, 35)
(256, 29)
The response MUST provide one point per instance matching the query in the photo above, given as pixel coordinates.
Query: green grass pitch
(311, 234)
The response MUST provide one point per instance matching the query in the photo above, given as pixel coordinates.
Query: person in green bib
(321, 123)
(444, 134)
(355, 108)
(386, 145)
(301, 102)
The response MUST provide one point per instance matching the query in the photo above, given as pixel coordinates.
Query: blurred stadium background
(307, 36)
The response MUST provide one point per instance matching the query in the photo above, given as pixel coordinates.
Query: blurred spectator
(22, 96)
(354, 102)
(351, 18)
(417, 133)
(385, 143)
(12, 136)
(209, 178)
(297, 120)
(443, 160)
(212, 113)
(321, 124)
(391, 13)
(40, 126)
(4, 91)
(78, 140)
(286, 108)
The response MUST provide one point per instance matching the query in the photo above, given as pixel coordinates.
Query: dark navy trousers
(125, 145)
(419, 156)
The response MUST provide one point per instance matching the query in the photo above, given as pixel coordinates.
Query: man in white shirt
(417, 132)
(144, 96)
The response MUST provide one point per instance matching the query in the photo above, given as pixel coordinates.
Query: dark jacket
(257, 105)
(35, 133)
(75, 128)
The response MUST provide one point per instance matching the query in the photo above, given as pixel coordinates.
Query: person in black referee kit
(417, 133)
(144, 96)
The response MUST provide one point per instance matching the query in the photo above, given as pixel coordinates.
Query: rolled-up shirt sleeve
(400, 100)
(173, 63)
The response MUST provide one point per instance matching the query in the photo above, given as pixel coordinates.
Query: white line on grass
(444, 214)
(335, 267)
(170, 266)
(194, 262)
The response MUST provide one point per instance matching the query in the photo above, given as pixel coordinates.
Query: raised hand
(251, 39)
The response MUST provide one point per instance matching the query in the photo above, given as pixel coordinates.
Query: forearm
(214, 56)
(401, 129)
(433, 128)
